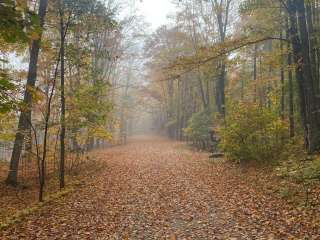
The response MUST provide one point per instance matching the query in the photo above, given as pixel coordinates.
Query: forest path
(154, 188)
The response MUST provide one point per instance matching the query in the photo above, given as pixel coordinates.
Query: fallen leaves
(156, 189)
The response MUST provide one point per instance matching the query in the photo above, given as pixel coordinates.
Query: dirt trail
(154, 188)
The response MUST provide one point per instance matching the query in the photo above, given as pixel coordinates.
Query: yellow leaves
(126, 236)
(37, 94)
(21, 4)
(7, 126)
(102, 133)
(254, 132)
(35, 36)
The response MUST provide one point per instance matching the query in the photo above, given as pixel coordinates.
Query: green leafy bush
(300, 173)
(198, 128)
(253, 133)
(298, 166)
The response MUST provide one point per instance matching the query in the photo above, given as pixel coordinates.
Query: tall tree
(62, 95)
(309, 101)
(221, 10)
(25, 114)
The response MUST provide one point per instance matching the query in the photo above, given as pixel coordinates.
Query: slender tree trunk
(220, 90)
(25, 115)
(202, 91)
(124, 109)
(291, 91)
(178, 111)
(282, 99)
(223, 20)
(63, 107)
(170, 105)
(255, 72)
(291, 99)
(312, 43)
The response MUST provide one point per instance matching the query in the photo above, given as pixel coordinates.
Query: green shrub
(198, 128)
(300, 172)
(300, 168)
(253, 133)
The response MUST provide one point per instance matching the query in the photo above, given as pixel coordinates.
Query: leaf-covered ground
(158, 189)
(24, 197)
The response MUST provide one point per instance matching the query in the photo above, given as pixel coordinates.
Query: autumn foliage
(253, 133)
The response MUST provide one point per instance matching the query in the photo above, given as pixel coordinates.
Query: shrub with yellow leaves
(253, 133)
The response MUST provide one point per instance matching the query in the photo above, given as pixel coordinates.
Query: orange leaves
(173, 237)
(35, 36)
(154, 188)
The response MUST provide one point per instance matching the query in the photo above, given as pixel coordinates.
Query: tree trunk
(25, 115)
(255, 71)
(170, 106)
(309, 102)
(282, 99)
(223, 6)
(312, 43)
(63, 107)
(291, 93)
(220, 90)
(202, 91)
